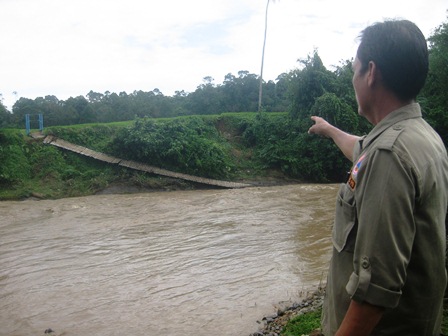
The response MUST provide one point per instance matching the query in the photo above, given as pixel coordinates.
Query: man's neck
(385, 104)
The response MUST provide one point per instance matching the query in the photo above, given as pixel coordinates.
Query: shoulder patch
(358, 165)
(352, 180)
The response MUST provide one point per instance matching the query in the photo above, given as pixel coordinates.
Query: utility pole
(260, 91)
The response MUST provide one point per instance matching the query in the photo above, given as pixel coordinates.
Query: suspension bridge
(54, 141)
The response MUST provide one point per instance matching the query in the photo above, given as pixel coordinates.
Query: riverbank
(273, 325)
(272, 178)
(133, 183)
(278, 324)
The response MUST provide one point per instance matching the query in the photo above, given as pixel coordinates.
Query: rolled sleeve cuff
(361, 291)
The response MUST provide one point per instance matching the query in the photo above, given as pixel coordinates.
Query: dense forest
(299, 92)
(195, 144)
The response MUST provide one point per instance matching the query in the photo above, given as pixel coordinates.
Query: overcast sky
(66, 48)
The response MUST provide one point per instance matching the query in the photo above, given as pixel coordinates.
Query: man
(387, 273)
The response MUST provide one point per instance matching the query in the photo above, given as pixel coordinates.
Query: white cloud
(67, 48)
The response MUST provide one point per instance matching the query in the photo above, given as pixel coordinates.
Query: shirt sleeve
(384, 199)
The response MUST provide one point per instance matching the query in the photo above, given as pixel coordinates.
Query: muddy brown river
(208, 262)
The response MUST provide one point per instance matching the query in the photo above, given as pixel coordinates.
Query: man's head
(399, 51)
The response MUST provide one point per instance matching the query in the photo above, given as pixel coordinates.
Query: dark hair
(399, 50)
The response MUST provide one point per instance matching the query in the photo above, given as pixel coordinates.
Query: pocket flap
(344, 222)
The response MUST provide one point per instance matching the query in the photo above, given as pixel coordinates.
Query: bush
(14, 165)
(47, 161)
(283, 143)
(186, 145)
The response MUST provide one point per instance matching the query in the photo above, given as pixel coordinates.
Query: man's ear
(374, 75)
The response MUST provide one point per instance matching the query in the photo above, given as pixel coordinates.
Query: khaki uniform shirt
(389, 229)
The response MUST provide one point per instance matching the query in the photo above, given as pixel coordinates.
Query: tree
(94, 97)
(22, 107)
(308, 84)
(4, 114)
(336, 111)
(205, 99)
(344, 90)
(434, 96)
(80, 110)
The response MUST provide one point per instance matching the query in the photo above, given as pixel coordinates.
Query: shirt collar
(406, 112)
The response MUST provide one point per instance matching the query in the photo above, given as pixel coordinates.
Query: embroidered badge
(353, 174)
(351, 182)
(358, 165)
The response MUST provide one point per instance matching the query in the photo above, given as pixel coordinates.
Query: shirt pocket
(344, 228)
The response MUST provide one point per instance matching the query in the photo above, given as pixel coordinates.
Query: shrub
(14, 165)
(187, 145)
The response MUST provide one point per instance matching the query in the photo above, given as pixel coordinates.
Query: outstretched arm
(345, 141)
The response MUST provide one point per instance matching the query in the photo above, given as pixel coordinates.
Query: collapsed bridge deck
(51, 140)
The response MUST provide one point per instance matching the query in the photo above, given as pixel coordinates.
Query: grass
(303, 324)
(308, 322)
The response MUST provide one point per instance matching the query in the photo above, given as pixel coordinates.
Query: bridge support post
(27, 124)
(41, 122)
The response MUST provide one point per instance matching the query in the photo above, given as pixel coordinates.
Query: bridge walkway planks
(51, 140)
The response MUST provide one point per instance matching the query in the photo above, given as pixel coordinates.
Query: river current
(206, 262)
